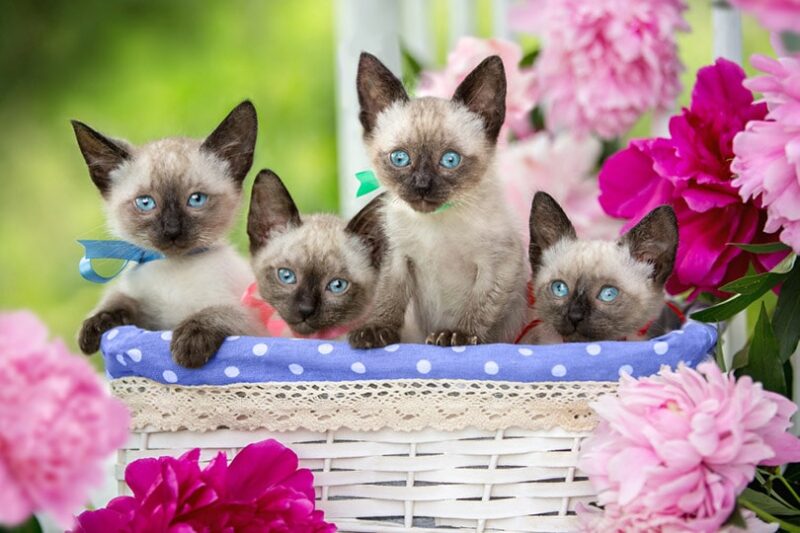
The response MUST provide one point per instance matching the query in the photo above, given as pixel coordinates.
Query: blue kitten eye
(286, 276)
(338, 285)
(197, 199)
(450, 159)
(145, 203)
(400, 158)
(559, 288)
(608, 294)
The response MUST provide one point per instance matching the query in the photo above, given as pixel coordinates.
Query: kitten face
(174, 195)
(317, 272)
(430, 151)
(596, 290)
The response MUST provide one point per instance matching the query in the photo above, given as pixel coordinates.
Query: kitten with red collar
(590, 290)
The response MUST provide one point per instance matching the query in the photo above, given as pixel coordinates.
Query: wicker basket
(412, 455)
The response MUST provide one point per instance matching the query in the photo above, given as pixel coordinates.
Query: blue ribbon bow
(112, 250)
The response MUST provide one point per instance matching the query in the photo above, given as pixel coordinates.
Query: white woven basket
(429, 469)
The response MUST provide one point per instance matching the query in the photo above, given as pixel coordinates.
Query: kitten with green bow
(176, 199)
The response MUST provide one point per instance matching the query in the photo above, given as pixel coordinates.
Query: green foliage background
(146, 69)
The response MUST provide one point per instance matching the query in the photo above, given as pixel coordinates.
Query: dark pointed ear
(483, 91)
(548, 225)
(271, 208)
(377, 88)
(368, 225)
(234, 140)
(654, 240)
(102, 155)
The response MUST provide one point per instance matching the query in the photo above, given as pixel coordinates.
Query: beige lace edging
(401, 405)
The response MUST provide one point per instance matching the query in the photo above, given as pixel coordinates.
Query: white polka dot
(260, 349)
(135, 354)
(170, 376)
(231, 371)
(325, 349)
(679, 331)
(625, 369)
(661, 347)
(295, 369)
(423, 366)
(233, 338)
(392, 347)
(491, 368)
(167, 336)
(111, 334)
(358, 367)
(458, 349)
(525, 351)
(121, 360)
(559, 371)
(593, 349)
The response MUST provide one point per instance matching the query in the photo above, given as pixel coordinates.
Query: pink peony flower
(562, 166)
(767, 158)
(612, 519)
(691, 171)
(676, 449)
(260, 490)
(521, 94)
(57, 424)
(604, 63)
(776, 15)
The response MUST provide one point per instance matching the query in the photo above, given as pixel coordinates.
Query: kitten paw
(373, 337)
(93, 328)
(194, 343)
(451, 338)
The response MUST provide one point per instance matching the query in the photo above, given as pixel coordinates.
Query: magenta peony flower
(521, 94)
(604, 63)
(775, 15)
(562, 166)
(767, 158)
(57, 424)
(682, 445)
(691, 172)
(261, 490)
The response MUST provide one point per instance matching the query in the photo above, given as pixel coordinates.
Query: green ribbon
(368, 183)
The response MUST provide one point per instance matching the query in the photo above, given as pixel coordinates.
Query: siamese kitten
(177, 196)
(318, 272)
(454, 256)
(597, 290)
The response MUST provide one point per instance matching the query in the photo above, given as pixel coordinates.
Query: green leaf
(30, 526)
(768, 504)
(768, 248)
(740, 358)
(529, 59)
(726, 309)
(786, 319)
(763, 358)
(757, 284)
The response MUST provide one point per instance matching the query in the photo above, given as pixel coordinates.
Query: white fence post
(417, 30)
(500, 19)
(462, 15)
(361, 25)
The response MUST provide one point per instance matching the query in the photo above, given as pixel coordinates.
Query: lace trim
(401, 405)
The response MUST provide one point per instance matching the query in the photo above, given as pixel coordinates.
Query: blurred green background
(146, 69)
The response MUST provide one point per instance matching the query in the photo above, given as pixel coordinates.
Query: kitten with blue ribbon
(455, 264)
(172, 202)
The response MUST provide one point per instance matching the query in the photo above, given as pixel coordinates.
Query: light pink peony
(468, 52)
(683, 444)
(563, 166)
(604, 63)
(612, 519)
(776, 15)
(260, 490)
(767, 160)
(57, 424)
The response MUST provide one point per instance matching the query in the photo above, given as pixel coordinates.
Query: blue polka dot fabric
(134, 352)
